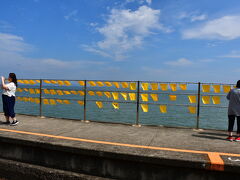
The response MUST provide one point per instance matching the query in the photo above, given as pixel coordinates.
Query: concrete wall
(104, 164)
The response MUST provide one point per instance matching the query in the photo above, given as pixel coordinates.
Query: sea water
(211, 116)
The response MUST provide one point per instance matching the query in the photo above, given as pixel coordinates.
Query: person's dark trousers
(231, 120)
(8, 105)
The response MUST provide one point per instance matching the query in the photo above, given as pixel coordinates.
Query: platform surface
(188, 145)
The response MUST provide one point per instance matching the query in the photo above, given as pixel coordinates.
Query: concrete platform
(153, 149)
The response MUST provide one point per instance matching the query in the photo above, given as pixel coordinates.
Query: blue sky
(164, 40)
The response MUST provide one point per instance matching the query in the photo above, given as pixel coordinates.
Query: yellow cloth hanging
(25, 89)
(99, 83)
(46, 91)
(172, 97)
(133, 86)
(217, 88)
(192, 109)
(183, 87)
(32, 82)
(25, 99)
(206, 99)
(19, 90)
(81, 103)
(92, 83)
(108, 94)
(37, 100)
(226, 88)
(154, 86)
(116, 84)
(163, 108)
(144, 107)
(52, 92)
(108, 84)
(31, 91)
(31, 100)
(115, 105)
(37, 91)
(26, 82)
(154, 97)
(45, 101)
(144, 86)
(81, 93)
(91, 93)
(81, 83)
(60, 83)
(99, 93)
(20, 81)
(164, 87)
(99, 104)
(53, 81)
(216, 100)
(124, 84)
(206, 88)
(47, 81)
(74, 92)
(67, 92)
(115, 95)
(59, 101)
(67, 83)
(125, 96)
(52, 102)
(173, 87)
(59, 92)
(192, 99)
(132, 96)
(66, 101)
(38, 81)
(144, 97)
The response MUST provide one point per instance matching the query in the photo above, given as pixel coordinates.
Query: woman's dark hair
(14, 78)
(238, 84)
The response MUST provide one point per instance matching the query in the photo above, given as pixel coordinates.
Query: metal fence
(140, 97)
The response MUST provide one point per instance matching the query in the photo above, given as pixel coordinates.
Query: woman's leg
(11, 110)
(238, 126)
(231, 119)
(7, 119)
(5, 108)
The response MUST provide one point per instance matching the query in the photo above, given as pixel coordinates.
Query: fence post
(138, 94)
(40, 105)
(198, 105)
(85, 100)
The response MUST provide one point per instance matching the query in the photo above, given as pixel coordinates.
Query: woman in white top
(8, 98)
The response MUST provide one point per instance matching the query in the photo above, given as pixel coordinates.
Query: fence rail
(133, 92)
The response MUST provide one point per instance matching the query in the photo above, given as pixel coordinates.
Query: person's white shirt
(11, 89)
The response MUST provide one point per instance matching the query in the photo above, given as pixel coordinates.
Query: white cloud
(192, 16)
(126, 30)
(13, 43)
(232, 54)
(149, 2)
(199, 17)
(179, 62)
(96, 51)
(13, 50)
(224, 28)
(72, 15)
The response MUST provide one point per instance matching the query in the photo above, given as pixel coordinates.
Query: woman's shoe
(230, 138)
(14, 123)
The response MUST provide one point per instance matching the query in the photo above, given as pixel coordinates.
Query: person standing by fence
(8, 98)
(234, 111)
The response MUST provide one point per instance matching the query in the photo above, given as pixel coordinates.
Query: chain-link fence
(186, 104)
